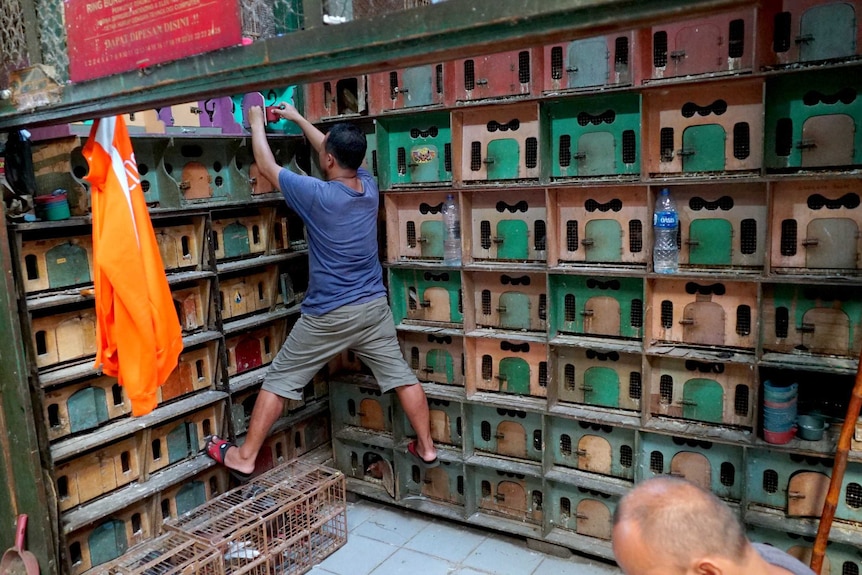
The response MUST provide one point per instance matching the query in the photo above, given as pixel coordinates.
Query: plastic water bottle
(452, 241)
(665, 223)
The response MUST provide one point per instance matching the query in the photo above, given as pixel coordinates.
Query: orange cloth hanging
(138, 334)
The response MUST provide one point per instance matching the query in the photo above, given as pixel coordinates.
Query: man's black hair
(346, 143)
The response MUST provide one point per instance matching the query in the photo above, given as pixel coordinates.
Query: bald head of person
(669, 526)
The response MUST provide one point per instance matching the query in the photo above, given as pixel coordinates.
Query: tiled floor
(384, 540)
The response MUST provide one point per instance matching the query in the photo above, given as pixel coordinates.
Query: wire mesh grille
(338, 11)
(52, 36)
(172, 553)
(13, 40)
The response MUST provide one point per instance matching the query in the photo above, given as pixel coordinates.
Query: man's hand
(255, 117)
(287, 111)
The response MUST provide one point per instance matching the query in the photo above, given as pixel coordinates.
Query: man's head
(668, 526)
(344, 145)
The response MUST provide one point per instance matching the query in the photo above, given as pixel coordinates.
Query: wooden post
(838, 469)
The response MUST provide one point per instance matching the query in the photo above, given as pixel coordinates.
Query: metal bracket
(805, 328)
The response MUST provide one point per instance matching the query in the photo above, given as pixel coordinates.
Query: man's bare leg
(415, 405)
(267, 409)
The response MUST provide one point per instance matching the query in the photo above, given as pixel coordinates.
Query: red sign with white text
(111, 36)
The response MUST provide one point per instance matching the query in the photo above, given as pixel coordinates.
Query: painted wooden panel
(592, 447)
(711, 392)
(337, 98)
(510, 301)
(506, 225)
(797, 485)
(360, 406)
(582, 511)
(704, 313)
(601, 306)
(427, 297)
(684, 128)
(242, 236)
(515, 73)
(434, 358)
(507, 366)
(64, 337)
(183, 438)
(723, 43)
(590, 63)
(96, 473)
(810, 318)
(196, 370)
(601, 225)
(510, 495)
(715, 466)
(414, 150)
(248, 293)
(419, 86)
(508, 432)
(810, 32)
(599, 378)
(205, 171)
(594, 136)
(813, 120)
(58, 263)
(253, 349)
(84, 405)
(497, 143)
(109, 537)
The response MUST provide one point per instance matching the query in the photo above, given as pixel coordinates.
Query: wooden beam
(23, 490)
(422, 35)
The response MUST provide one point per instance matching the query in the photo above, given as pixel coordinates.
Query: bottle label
(664, 220)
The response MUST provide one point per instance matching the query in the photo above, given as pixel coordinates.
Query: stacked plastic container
(779, 412)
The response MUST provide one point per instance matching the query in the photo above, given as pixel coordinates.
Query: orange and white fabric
(138, 334)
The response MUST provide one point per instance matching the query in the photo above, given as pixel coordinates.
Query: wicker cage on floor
(281, 522)
(173, 553)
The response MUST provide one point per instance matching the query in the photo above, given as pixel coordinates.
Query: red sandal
(216, 449)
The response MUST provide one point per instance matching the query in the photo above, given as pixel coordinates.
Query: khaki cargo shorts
(367, 329)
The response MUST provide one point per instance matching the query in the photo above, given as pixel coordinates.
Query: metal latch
(686, 321)
(805, 328)
(677, 54)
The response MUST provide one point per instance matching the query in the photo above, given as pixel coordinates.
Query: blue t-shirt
(341, 225)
